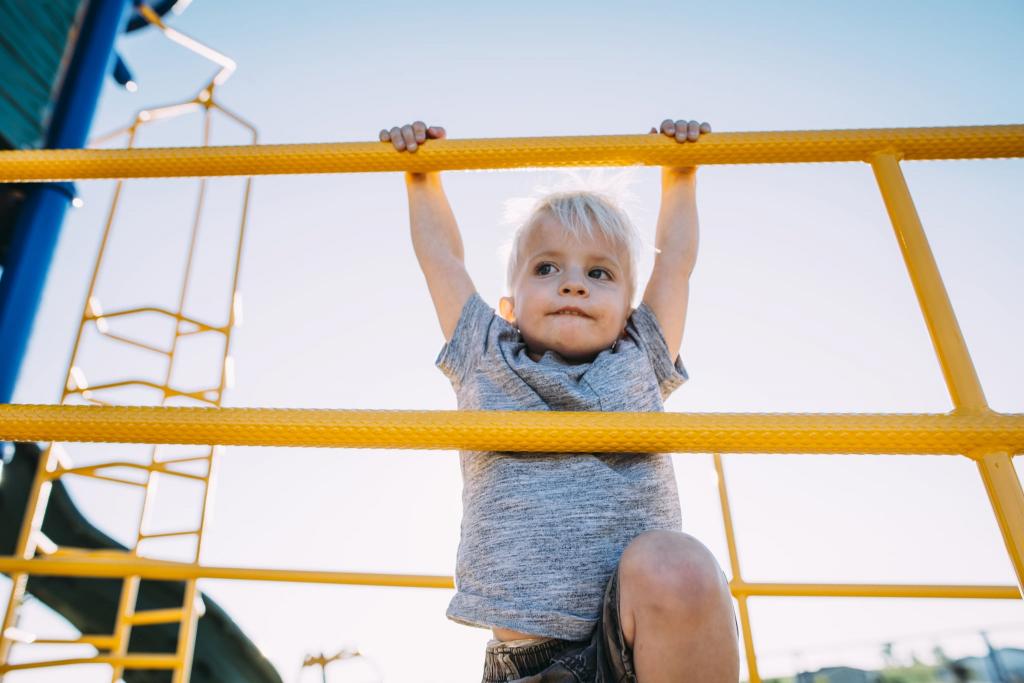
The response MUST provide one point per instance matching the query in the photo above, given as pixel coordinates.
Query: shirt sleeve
(651, 341)
(461, 354)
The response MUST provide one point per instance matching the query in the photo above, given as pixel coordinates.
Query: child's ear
(507, 309)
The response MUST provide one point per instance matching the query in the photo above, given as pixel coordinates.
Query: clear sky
(800, 301)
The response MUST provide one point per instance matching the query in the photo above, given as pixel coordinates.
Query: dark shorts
(605, 658)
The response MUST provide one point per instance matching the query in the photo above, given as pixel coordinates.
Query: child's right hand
(411, 136)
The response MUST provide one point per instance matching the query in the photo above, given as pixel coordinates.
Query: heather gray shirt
(542, 533)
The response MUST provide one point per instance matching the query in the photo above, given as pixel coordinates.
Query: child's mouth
(571, 311)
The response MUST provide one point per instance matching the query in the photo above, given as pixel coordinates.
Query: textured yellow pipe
(869, 590)
(527, 431)
(133, 661)
(110, 567)
(180, 571)
(963, 142)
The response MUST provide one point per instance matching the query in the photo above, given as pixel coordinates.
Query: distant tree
(888, 657)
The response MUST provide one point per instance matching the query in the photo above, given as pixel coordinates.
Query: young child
(576, 562)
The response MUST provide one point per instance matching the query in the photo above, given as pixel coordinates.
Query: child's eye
(599, 274)
(544, 269)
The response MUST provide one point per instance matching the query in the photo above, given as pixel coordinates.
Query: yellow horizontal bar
(954, 142)
(99, 642)
(856, 590)
(90, 553)
(157, 616)
(522, 431)
(180, 571)
(140, 661)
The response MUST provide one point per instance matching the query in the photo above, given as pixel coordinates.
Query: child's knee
(670, 570)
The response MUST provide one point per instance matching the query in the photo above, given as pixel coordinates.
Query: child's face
(569, 297)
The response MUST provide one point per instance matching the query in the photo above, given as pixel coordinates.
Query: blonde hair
(584, 214)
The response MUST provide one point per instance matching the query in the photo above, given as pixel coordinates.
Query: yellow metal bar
(185, 571)
(168, 534)
(525, 431)
(957, 142)
(107, 477)
(99, 642)
(161, 311)
(140, 661)
(994, 466)
(950, 347)
(1007, 498)
(166, 390)
(155, 466)
(31, 528)
(187, 632)
(855, 590)
(133, 342)
(156, 616)
(188, 615)
(753, 674)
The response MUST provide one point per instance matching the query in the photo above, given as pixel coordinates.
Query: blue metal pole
(39, 222)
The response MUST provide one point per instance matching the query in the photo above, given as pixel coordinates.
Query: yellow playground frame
(970, 430)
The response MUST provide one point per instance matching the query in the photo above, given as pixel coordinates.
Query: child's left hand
(683, 131)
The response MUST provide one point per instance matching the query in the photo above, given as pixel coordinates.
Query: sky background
(800, 301)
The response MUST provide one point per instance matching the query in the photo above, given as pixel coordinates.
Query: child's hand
(683, 131)
(411, 136)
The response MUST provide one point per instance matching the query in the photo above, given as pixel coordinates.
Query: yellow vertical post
(1004, 492)
(995, 467)
(737, 577)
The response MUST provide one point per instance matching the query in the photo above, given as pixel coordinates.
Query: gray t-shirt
(542, 533)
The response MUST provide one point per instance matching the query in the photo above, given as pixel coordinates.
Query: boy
(576, 562)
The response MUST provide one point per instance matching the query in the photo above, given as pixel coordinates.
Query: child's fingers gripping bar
(683, 130)
(412, 135)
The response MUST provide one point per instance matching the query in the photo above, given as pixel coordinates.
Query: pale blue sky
(799, 303)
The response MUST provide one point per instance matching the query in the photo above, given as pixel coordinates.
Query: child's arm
(668, 290)
(435, 234)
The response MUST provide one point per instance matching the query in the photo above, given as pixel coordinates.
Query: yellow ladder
(56, 462)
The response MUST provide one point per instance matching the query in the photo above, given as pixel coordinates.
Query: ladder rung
(93, 471)
(190, 458)
(107, 477)
(98, 553)
(166, 534)
(157, 616)
(133, 661)
(133, 342)
(159, 467)
(99, 642)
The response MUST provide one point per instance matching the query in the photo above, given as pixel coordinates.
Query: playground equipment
(157, 617)
(971, 430)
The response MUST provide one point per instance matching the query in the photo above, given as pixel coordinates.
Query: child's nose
(574, 287)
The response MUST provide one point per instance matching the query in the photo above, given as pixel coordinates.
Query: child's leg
(676, 611)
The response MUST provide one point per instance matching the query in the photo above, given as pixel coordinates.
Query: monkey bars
(772, 147)
(958, 432)
(971, 430)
